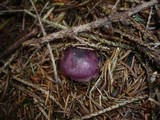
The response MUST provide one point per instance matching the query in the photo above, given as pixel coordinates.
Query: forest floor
(125, 34)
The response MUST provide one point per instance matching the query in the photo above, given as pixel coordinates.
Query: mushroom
(79, 64)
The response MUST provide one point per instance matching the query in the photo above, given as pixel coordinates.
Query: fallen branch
(95, 24)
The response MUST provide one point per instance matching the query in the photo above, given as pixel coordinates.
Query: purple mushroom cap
(79, 64)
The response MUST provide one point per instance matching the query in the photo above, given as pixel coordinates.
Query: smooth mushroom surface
(79, 64)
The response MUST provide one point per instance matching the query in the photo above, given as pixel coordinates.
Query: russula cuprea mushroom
(79, 64)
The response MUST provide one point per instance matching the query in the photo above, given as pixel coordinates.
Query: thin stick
(53, 63)
(114, 8)
(54, 24)
(149, 18)
(114, 107)
(48, 45)
(38, 17)
(2, 69)
(92, 8)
